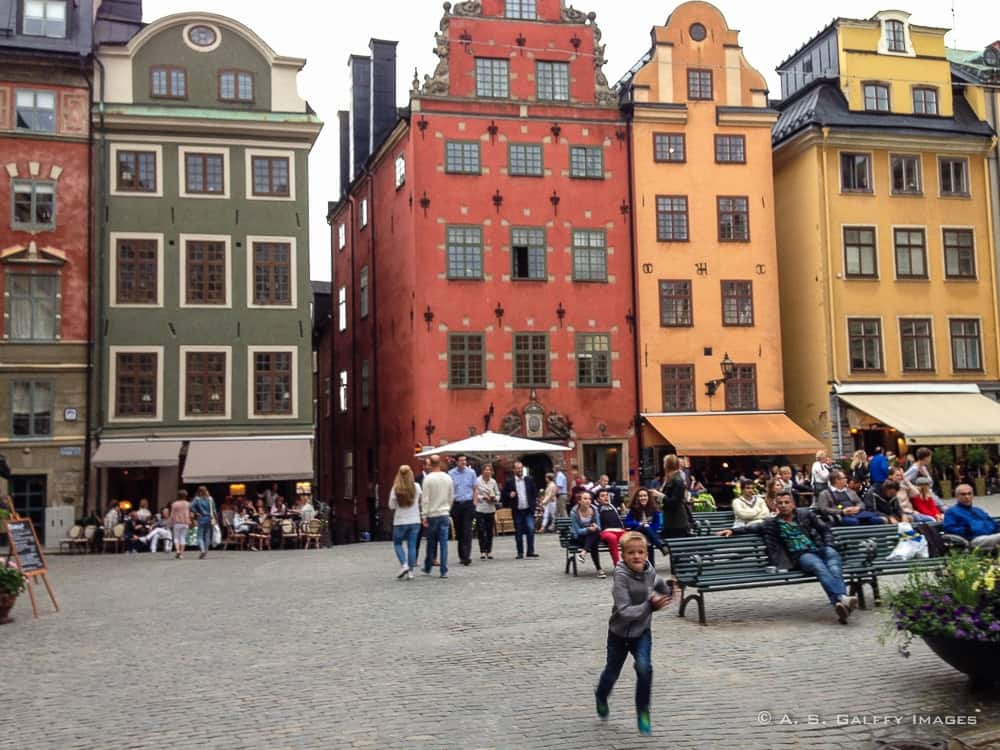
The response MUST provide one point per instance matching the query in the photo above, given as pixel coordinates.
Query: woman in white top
(748, 508)
(404, 498)
(549, 503)
(486, 495)
(820, 473)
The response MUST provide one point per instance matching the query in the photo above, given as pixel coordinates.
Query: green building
(203, 351)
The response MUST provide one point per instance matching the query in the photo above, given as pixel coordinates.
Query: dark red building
(482, 260)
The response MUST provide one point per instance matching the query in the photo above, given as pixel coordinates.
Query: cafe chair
(288, 532)
(74, 539)
(116, 538)
(310, 533)
(233, 539)
(504, 521)
(263, 535)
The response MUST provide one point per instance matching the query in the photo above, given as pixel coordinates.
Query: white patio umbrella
(493, 444)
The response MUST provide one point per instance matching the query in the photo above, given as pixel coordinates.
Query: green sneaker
(602, 707)
(642, 718)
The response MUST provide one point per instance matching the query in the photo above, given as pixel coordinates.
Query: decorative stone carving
(534, 420)
(511, 423)
(469, 8)
(559, 425)
(572, 15)
(438, 83)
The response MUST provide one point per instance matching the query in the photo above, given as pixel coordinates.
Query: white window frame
(844, 276)
(975, 252)
(871, 172)
(182, 380)
(363, 213)
(113, 266)
(113, 169)
(227, 182)
(293, 270)
(44, 19)
(920, 174)
(341, 236)
(251, 351)
(343, 384)
(182, 241)
(883, 43)
(927, 253)
(400, 170)
(113, 352)
(342, 309)
(248, 155)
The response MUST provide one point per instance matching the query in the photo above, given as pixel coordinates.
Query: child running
(637, 591)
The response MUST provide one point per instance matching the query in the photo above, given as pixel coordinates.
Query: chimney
(361, 94)
(344, 122)
(383, 90)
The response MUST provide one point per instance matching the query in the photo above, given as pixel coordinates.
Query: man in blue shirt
(463, 508)
(878, 467)
(969, 522)
(562, 492)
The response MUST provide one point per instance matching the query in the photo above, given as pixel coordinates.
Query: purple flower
(995, 627)
(959, 633)
(925, 594)
(946, 599)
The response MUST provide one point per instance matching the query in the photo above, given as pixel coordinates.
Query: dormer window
(521, 9)
(166, 82)
(235, 86)
(895, 36)
(45, 18)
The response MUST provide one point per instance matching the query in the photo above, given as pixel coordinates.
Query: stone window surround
(182, 383)
(117, 146)
(251, 381)
(183, 151)
(293, 270)
(113, 352)
(248, 155)
(182, 241)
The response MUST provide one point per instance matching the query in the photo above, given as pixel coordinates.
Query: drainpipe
(373, 362)
(635, 295)
(88, 398)
(95, 363)
(353, 322)
(991, 236)
(831, 339)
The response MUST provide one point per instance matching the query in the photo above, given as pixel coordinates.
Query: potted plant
(976, 457)
(11, 584)
(956, 611)
(944, 458)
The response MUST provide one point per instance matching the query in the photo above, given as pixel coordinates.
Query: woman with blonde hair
(404, 498)
(859, 466)
(820, 473)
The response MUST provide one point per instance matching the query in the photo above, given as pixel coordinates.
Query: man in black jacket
(520, 495)
(798, 538)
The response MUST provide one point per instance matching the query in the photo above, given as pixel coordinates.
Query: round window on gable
(992, 57)
(697, 32)
(202, 36)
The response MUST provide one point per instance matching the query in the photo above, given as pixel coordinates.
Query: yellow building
(885, 237)
(709, 335)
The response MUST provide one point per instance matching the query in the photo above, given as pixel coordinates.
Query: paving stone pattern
(326, 649)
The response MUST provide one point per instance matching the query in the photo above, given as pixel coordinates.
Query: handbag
(216, 531)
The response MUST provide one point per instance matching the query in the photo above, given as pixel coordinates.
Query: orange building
(706, 264)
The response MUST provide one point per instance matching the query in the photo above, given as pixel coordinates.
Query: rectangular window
(341, 237)
(205, 272)
(959, 254)
(731, 149)
(925, 101)
(36, 110)
(491, 78)
(365, 384)
(669, 147)
(741, 389)
(895, 39)
(586, 162)
(31, 409)
(531, 360)
(203, 173)
(465, 252)
(363, 213)
(272, 383)
(135, 384)
(590, 255)
(672, 218)
(342, 308)
(466, 360)
(461, 157)
(235, 86)
(363, 290)
(552, 81)
(699, 84)
(342, 393)
(527, 251)
(734, 219)
(856, 173)
(34, 205)
(44, 18)
(876, 97)
(954, 177)
(34, 306)
(917, 344)
(205, 384)
(860, 256)
(677, 384)
(168, 82)
(966, 350)
(270, 175)
(865, 344)
(272, 273)
(675, 303)
(911, 253)
(137, 270)
(593, 360)
(521, 9)
(905, 175)
(400, 170)
(524, 160)
(737, 303)
(136, 172)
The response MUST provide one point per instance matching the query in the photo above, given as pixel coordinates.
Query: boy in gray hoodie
(637, 591)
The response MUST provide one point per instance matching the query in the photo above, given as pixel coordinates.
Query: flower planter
(979, 660)
(6, 603)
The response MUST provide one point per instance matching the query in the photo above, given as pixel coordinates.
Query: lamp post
(728, 367)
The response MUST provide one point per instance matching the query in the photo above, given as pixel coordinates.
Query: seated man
(135, 530)
(162, 528)
(798, 538)
(969, 522)
(884, 498)
(842, 505)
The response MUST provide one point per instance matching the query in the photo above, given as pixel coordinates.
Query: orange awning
(733, 434)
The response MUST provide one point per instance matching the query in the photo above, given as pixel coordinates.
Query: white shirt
(522, 496)
(408, 515)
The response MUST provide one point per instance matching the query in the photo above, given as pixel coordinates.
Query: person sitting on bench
(586, 525)
(749, 508)
(798, 538)
(612, 527)
(644, 516)
(969, 522)
(842, 505)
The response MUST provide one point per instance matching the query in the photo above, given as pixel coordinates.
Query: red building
(482, 259)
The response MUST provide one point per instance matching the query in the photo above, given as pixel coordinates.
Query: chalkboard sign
(24, 546)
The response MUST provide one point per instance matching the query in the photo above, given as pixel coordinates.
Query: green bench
(708, 522)
(564, 527)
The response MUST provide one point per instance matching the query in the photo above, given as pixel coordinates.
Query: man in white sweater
(435, 514)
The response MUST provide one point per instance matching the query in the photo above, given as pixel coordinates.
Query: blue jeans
(524, 525)
(205, 536)
(652, 536)
(408, 532)
(438, 528)
(864, 517)
(826, 565)
(641, 648)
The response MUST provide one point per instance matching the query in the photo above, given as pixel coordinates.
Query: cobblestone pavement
(326, 649)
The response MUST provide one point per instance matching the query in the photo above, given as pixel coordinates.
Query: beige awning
(126, 454)
(248, 460)
(933, 418)
(734, 434)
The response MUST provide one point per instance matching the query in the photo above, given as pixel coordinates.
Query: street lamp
(728, 368)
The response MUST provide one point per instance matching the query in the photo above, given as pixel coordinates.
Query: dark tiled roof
(320, 287)
(822, 104)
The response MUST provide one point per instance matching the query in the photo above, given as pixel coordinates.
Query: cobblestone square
(326, 649)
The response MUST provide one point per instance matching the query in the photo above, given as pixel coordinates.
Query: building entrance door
(29, 494)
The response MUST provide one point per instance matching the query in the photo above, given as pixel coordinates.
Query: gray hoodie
(632, 612)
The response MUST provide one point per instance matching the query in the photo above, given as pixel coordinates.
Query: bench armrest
(954, 540)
